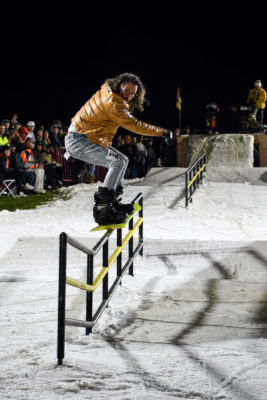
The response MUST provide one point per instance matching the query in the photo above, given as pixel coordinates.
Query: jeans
(79, 146)
(258, 114)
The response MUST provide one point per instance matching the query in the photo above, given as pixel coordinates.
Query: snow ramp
(170, 176)
(226, 150)
(175, 176)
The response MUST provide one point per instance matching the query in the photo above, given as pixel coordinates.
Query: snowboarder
(90, 136)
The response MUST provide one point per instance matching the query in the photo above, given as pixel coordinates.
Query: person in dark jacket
(53, 136)
(151, 157)
(53, 171)
(61, 136)
(28, 177)
(141, 155)
(8, 172)
(130, 151)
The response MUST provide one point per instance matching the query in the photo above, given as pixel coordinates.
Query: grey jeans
(80, 147)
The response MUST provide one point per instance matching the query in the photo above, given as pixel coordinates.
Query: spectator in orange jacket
(30, 164)
(28, 176)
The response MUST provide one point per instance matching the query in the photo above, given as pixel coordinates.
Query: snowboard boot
(127, 208)
(104, 211)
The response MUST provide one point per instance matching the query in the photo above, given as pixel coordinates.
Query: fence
(194, 177)
(103, 276)
(70, 170)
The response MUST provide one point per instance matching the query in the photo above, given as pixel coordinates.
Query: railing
(194, 177)
(68, 171)
(92, 284)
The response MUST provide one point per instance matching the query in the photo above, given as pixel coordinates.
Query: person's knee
(121, 162)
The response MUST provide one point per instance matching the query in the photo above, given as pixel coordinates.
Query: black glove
(167, 134)
(146, 103)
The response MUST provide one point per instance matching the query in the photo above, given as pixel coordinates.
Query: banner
(179, 99)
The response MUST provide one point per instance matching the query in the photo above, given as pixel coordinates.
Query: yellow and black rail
(91, 284)
(194, 176)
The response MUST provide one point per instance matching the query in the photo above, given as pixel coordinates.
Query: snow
(190, 324)
(231, 150)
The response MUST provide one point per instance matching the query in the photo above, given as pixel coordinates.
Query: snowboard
(137, 207)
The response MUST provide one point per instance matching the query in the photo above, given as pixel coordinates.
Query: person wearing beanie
(23, 132)
(6, 122)
(14, 136)
(256, 100)
(31, 126)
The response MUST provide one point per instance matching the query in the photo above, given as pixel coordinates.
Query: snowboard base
(137, 207)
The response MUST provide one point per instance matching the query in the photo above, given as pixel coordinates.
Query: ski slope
(191, 323)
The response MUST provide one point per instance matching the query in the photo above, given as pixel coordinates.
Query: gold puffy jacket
(104, 113)
(258, 97)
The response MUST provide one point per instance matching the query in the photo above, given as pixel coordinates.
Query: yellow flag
(179, 99)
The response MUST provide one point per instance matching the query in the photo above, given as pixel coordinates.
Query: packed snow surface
(228, 149)
(190, 324)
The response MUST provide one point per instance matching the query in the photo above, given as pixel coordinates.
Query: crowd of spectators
(145, 152)
(32, 155)
(139, 152)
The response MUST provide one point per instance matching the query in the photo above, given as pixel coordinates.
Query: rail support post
(119, 258)
(141, 227)
(89, 295)
(105, 265)
(131, 248)
(61, 297)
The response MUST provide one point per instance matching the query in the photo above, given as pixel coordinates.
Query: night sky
(53, 60)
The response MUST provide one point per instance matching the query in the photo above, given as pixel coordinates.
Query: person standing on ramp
(257, 100)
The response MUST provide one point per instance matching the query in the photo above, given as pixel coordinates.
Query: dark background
(54, 59)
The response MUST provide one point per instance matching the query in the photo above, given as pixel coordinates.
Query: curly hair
(138, 100)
